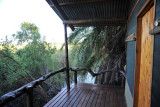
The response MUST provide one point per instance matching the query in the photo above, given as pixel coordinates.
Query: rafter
(74, 22)
(99, 25)
(81, 2)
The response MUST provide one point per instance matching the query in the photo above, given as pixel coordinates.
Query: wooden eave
(91, 12)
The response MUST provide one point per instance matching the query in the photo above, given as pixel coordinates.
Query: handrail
(96, 74)
(26, 88)
(92, 73)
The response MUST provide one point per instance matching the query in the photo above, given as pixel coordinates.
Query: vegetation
(100, 48)
(34, 59)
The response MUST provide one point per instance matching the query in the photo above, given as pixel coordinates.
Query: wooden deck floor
(89, 95)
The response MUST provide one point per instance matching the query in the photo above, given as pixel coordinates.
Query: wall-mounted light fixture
(156, 29)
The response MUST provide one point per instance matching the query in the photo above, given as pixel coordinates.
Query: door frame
(148, 5)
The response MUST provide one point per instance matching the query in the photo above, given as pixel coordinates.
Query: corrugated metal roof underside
(91, 12)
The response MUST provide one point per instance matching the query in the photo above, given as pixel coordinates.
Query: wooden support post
(75, 77)
(29, 97)
(102, 80)
(123, 82)
(66, 58)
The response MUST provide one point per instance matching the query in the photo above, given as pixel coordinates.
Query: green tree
(100, 48)
(32, 59)
(25, 64)
(87, 45)
(29, 33)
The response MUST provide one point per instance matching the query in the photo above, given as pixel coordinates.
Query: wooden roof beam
(74, 22)
(99, 25)
(81, 2)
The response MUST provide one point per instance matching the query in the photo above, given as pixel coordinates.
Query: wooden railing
(28, 88)
(75, 69)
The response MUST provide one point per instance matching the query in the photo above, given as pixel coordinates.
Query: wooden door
(144, 59)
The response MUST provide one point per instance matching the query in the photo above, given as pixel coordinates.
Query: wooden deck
(89, 95)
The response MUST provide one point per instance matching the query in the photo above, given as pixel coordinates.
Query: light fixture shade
(157, 22)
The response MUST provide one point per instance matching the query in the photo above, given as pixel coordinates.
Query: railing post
(123, 82)
(29, 97)
(67, 59)
(75, 77)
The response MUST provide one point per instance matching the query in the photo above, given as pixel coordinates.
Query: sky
(14, 12)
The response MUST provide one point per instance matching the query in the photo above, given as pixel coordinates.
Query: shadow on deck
(89, 95)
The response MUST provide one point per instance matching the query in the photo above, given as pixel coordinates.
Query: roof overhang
(79, 13)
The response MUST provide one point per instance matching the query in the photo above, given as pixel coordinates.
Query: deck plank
(87, 98)
(99, 99)
(70, 98)
(59, 99)
(103, 99)
(61, 93)
(95, 99)
(111, 99)
(75, 98)
(79, 98)
(91, 99)
(83, 98)
(65, 98)
(89, 95)
(107, 100)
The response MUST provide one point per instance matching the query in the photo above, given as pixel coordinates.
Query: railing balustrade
(28, 88)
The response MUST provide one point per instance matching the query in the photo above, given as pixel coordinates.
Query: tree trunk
(116, 59)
